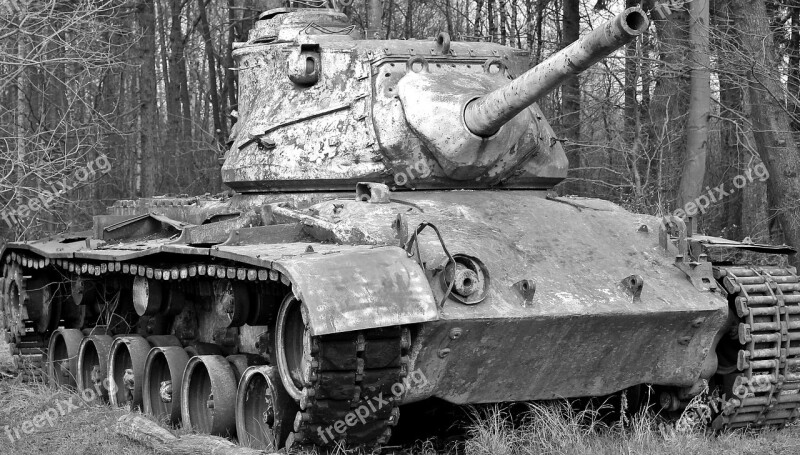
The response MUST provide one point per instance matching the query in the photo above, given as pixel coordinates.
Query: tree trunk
(145, 19)
(774, 140)
(540, 7)
(490, 16)
(22, 120)
(216, 115)
(755, 212)
(730, 153)
(670, 101)
(645, 72)
(503, 31)
(571, 92)
(516, 36)
(694, 165)
(631, 82)
(179, 82)
(793, 81)
(409, 23)
(173, 102)
(375, 18)
(389, 17)
(478, 18)
(162, 441)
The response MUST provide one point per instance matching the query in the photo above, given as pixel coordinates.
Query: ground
(5, 356)
(59, 422)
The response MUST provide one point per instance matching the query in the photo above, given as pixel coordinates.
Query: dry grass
(555, 428)
(5, 355)
(84, 430)
(552, 428)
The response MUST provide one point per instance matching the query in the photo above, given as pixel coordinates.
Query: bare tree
(774, 138)
(52, 62)
(694, 166)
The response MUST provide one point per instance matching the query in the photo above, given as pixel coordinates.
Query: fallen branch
(150, 434)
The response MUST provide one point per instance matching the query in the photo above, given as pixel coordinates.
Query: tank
(392, 239)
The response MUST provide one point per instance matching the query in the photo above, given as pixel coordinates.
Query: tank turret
(297, 313)
(322, 109)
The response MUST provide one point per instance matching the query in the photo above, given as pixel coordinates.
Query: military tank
(392, 238)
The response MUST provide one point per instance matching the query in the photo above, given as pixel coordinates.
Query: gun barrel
(485, 115)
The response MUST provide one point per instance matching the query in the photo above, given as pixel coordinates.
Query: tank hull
(580, 334)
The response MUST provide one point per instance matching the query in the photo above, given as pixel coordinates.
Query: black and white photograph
(399, 227)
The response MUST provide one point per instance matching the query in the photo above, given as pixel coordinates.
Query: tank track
(351, 371)
(348, 371)
(766, 383)
(29, 353)
(28, 348)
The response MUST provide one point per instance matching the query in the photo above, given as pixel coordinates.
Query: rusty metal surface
(348, 373)
(560, 355)
(321, 132)
(270, 254)
(273, 234)
(137, 226)
(763, 377)
(719, 242)
(58, 246)
(347, 287)
(217, 232)
(485, 125)
(347, 123)
(461, 154)
(359, 290)
(576, 257)
(571, 257)
(192, 210)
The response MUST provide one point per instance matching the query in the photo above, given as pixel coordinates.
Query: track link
(30, 355)
(352, 394)
(767, 377)
(347, 372)
(28, 348)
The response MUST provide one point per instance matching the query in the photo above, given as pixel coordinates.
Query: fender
(360, 289)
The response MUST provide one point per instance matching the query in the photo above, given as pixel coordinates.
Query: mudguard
(360, 289)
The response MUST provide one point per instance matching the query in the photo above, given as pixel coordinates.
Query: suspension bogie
(202, 351)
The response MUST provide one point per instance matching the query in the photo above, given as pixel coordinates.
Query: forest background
(150, 86)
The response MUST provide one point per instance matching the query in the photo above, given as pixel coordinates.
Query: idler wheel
(126, 361)
(293, 347)
(15, 294)
(147, 296)
(62, 358)
(93, 364)
(264, 411)
(208, 395)
(43, 306)
(163, 375)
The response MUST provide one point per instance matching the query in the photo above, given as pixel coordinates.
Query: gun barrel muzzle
(485, 115)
